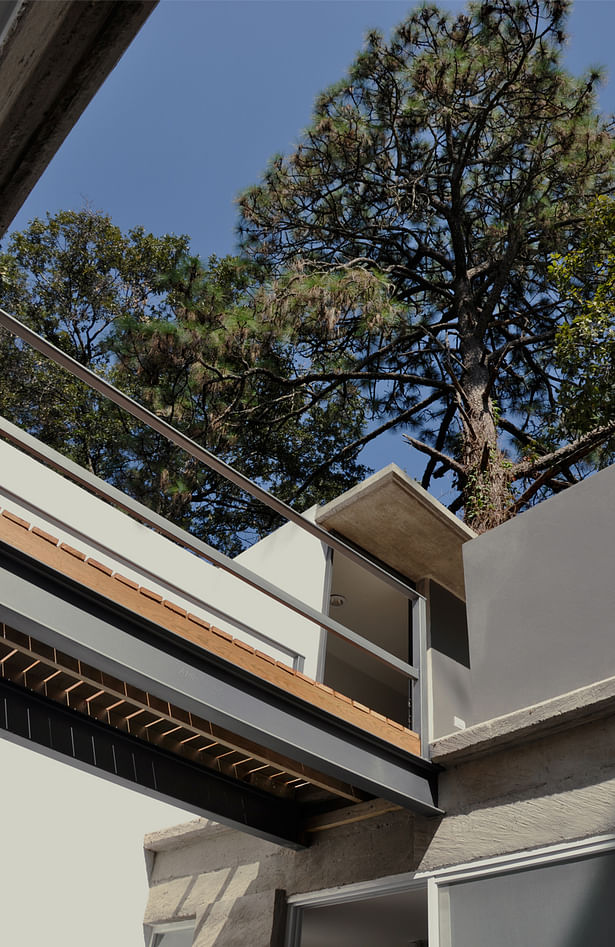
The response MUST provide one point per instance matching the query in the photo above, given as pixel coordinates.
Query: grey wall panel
(450, 660)
(541, 601)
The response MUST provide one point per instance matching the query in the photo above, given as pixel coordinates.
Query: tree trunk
(486, 484)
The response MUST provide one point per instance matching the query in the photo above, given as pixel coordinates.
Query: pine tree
(410, 235)
(181, 336)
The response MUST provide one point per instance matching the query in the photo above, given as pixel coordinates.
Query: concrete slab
(179, 836)
(393, 518)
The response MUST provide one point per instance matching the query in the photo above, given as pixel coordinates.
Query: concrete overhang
(54, 56)
(395, 520)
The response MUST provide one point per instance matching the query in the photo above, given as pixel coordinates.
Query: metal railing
(102, 489)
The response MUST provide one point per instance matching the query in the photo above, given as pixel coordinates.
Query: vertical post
(280, 912)
(293, 925)
(420, 696)
(437, 905)
(321, 658)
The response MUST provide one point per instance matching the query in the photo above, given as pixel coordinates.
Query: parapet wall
(541, 602)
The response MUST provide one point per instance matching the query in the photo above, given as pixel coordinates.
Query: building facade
(339, 805)
(522, 730)
(432, 767)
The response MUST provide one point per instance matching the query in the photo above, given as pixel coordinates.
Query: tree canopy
(181, 337)
(420, 262)
(409, 238)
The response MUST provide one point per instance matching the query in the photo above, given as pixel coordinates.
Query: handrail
(133, 407)
(82, 476)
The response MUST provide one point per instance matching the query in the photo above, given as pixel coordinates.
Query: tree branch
(564, 456)
(444, 459)
(362, 441)
(569, 453)
(449, 414)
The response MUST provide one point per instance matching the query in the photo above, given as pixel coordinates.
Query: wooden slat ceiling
(61, 677)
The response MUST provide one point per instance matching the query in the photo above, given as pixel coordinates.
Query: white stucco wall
(297, 563)
(72, 870)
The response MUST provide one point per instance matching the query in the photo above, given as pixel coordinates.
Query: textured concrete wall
(544, 792)
(541, 601)
(557, 789)
(227, 880)
(54, 58)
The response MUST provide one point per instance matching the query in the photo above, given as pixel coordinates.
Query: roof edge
(395, 474)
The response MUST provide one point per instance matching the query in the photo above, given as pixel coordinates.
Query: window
(557, 898)
(389, 911)
(179, 934)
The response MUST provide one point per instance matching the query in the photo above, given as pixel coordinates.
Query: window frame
(436, 883)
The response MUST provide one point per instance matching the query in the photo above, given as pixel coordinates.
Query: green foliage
(585, 344)
(186, 339)
(400, 276)
(71, 278)
(433, 184)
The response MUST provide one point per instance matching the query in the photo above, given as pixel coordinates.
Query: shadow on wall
(231, 883)
(219, 912)
(228, 904)
(240, 916)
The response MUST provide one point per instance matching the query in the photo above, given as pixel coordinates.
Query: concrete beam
(54, 57)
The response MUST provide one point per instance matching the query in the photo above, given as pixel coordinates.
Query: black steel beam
(110, 752)
(67, 615)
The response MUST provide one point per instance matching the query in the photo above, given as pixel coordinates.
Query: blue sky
(209, 90)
